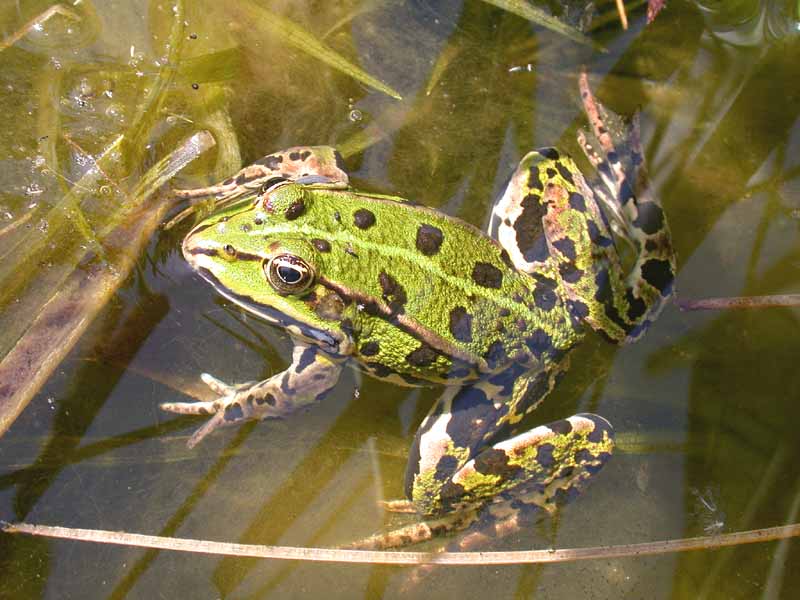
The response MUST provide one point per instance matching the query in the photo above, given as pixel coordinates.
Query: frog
(416, 297)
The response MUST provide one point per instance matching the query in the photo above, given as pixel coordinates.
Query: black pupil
(289, 274)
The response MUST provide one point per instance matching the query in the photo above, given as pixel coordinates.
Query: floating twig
(623, 17)
(740, 302)
(404, 558)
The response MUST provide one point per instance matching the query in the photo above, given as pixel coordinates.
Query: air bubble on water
(34, 189)
(356, 115)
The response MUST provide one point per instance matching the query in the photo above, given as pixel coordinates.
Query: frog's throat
(331, 341)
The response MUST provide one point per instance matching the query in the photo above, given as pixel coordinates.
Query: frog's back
(455, 301)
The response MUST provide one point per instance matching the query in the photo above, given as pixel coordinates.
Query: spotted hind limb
(310, 376)
(319, 165)
(457, 458)
(545, 468)
(614, 149)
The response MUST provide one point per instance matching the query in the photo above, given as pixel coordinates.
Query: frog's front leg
(321, 165)
(310, 376)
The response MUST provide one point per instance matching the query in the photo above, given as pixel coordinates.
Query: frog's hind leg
(456, 460)
(630, 301)
(320, 165)
(512, 484)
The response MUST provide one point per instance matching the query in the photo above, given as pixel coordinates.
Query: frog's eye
(289, 274)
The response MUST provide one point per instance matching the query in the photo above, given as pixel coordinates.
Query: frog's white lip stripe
(327, 339)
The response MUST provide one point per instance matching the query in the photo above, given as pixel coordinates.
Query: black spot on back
(321, 245)
(294, 156)
(495, 354)
(544, 295)
(446, 467)
(551, 172)
(422, 356)
(378, 369)
(539, 343)
(370, 348)
(429, 239)
(561, 427)
(603, 283)
(393, 292)
(268, 399)
(461, 324)
(295, 209)
(363, 218)
(487, 275)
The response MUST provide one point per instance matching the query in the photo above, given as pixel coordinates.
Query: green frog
(416, 297)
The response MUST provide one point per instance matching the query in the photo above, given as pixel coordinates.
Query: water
(704, 405)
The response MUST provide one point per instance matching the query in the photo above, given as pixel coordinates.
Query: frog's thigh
(456, 427)
(452, 463)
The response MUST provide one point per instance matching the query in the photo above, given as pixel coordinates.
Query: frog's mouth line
(327, 339)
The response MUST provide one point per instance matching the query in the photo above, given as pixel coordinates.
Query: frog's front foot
(311, 374)
(236, 403)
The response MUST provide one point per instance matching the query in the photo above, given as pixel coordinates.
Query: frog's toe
(217, 385)
(398, 506)
(191, 408)
(218, 420)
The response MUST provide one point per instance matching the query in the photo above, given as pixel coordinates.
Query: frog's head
(258, 256)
